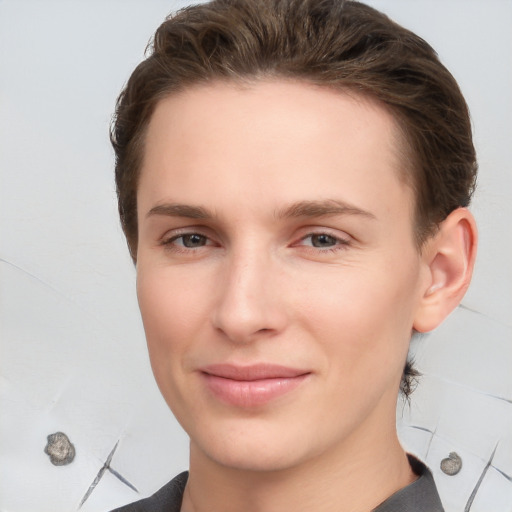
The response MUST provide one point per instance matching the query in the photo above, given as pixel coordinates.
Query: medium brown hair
(339, 44)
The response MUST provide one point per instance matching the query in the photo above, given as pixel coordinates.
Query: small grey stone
(60, 449)
(452, 464)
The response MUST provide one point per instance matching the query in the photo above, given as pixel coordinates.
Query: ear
(448, 259)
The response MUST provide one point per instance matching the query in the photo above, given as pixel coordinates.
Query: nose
(249, 304)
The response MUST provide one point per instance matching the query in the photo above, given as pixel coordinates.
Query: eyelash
(341, 243)
(169, 243)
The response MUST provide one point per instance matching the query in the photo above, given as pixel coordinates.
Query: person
(293, 179)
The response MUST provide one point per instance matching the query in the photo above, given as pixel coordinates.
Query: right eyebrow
(180, 210)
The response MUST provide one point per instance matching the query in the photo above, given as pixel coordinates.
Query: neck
(354, 477)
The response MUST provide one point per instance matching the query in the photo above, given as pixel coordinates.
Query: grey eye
(193, 240)
(323, 240)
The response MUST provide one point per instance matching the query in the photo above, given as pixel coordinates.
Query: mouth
(251, 386)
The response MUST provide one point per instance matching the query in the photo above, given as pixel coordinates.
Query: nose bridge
(247, 300)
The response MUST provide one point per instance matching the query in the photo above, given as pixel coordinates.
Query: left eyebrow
(320, 208)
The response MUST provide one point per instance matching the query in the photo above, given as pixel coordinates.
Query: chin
(252, 458)
(253, 445)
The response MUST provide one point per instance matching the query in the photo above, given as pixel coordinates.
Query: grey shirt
(420, 496)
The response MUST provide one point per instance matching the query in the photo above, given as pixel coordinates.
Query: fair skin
(279, 284)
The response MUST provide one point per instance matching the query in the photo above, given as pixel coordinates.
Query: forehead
(280, 140)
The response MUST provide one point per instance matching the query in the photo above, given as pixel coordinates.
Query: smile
(251, 386)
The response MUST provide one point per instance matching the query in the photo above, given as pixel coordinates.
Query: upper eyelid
(331, 235)
(324, 230)
(186, 230)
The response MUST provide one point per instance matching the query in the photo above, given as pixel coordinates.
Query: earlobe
(448, 258)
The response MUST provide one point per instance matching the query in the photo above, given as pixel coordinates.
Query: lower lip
(253, 393)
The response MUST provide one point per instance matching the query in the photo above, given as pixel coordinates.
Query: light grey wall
(73, 356)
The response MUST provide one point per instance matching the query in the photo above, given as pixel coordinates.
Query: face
(277, 273)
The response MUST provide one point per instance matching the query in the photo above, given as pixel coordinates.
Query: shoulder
(167, 499)
(420, 496)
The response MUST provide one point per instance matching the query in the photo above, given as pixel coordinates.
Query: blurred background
(72, 351)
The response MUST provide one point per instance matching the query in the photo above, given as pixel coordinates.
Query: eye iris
(323, 240)
(194, 240)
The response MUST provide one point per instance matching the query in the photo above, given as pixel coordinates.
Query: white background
(73, 355)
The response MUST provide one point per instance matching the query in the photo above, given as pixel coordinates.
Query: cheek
(172, 318)
(171, 313)
(362, 317)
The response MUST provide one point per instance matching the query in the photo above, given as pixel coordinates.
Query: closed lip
(253, 372)
(251, 386)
